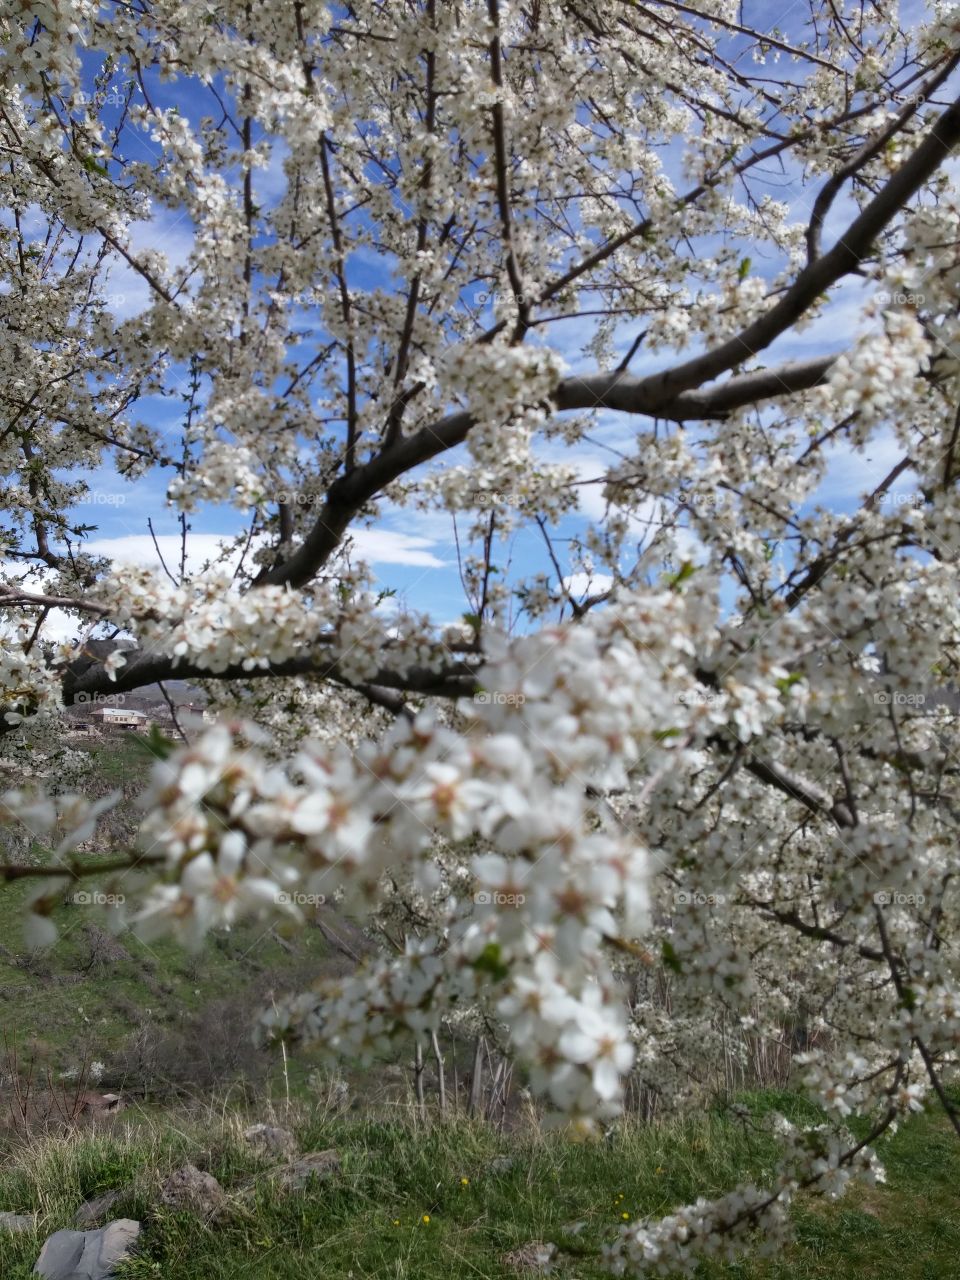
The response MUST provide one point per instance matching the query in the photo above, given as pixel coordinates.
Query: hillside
(150, 1013)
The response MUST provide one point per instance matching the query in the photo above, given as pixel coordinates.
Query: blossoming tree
(735, 759)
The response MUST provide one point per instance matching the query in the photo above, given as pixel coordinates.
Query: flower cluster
(877, 379)
(706, 806)
(550, 880)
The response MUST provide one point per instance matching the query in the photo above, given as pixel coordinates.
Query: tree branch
(818, 276)
(455, 681)
(614, 390)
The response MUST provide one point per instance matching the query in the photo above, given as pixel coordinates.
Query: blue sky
(411, 550)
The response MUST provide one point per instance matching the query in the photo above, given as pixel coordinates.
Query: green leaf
(789, 681)
(93, 166)
(662, 734)
(488, 961)
(744, 269)
(670, 957)
(686, 570)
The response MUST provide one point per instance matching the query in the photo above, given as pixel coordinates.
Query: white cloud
(57, 626)
(139, 548)
(582, 584)
(169, 233)
(378, 546)
(270, 182)
(384, 546)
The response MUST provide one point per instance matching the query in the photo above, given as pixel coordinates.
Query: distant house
(195, 713)
(120, 718)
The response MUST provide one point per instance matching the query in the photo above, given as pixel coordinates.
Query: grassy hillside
(91, 992)
(455, 1200)
(94, 996)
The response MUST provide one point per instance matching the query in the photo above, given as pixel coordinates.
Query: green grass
(371, 1224)
(119, 759)
(67, 1009)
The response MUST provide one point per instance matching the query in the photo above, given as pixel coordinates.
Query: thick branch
(659, 394)
(73, 870)
(614, 390)
(806, 793)
(630, 394)
(794, 921)
(869, 151)
(82, 683)
(819, 276)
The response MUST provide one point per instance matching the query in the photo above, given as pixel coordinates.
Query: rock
(501, 1164)
(92, 1211)
(17, 1221)
(270, 1139)
(87, 1255)
(98, 1104)
(322, 1166)
(189, 1188)
(535, 1255)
